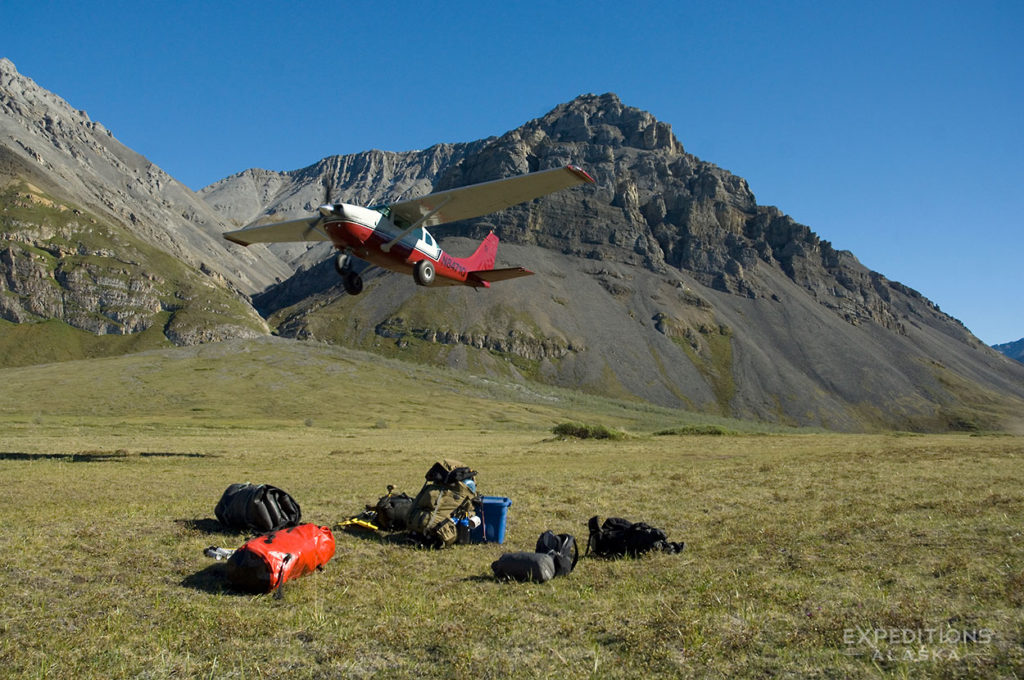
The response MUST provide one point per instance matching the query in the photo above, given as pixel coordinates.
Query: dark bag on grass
(563, 550)
(266, 562)
(257, 507)
(617, 537)
(392, 511)
(524, 566)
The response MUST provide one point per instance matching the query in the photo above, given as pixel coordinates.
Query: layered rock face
(654, 206)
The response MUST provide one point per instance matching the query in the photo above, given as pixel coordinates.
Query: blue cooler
(493, 515)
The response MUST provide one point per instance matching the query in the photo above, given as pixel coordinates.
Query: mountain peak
(604, 119)
(22, 97)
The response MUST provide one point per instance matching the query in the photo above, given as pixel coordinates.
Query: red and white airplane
(395, 236)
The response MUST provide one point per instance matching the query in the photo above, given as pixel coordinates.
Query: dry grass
(797, 546)
(792, 543)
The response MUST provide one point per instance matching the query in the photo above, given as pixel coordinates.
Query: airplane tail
(480, 265)
(483, 258)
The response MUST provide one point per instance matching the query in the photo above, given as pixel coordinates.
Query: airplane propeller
(326, 208)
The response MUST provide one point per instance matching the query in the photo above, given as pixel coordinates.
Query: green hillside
(81, 286)
(276, 381)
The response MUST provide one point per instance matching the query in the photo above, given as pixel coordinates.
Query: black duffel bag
(257, 507)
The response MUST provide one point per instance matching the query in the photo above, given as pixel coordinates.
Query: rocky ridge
(96, 172)
(725, 305)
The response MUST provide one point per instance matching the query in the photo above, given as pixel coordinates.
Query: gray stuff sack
(524, 566)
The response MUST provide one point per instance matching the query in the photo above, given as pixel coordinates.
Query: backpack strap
(594, 524)
(575, 550)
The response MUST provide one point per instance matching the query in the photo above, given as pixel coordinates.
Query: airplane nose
(326, 210)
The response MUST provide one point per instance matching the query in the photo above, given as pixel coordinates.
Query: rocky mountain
(95, 236)
(664, 281)
(1014, 350)
(94, 170)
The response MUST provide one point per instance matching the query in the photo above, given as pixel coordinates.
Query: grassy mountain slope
(276, 381)
(79, 285)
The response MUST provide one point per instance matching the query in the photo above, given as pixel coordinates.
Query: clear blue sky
(892, 129)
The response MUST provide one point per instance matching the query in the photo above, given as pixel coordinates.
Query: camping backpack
(445, 498)
(266, 562)
(252, 507)
(563, 550)
(617, 536)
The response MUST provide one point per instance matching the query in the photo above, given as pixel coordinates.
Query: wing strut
(415, 225)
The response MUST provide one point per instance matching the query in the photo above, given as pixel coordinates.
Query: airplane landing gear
(342, 264)
(352, 281)
(423, 272)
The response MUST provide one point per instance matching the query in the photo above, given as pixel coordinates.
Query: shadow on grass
(381, 537)
(169, 454)
(94, 456)
(89, 457)
(402, 538)
(481, 578)
(213, 579)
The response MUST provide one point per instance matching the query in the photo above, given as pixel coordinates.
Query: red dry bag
(267, 561)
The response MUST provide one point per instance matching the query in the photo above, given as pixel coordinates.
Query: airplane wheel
(423, 272)
(341, 264)
(353, 283)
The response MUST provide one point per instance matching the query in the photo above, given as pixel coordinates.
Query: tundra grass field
(808, 554)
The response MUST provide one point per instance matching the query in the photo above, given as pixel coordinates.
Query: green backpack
(446, 498)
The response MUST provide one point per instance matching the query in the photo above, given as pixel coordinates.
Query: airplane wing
(492, 275)
(280, 232)
(475, 200)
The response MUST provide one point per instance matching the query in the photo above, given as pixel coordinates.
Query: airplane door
(427, 245)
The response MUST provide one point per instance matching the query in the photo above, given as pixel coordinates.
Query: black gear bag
(562, 548)
(257, 507)
(617, 537)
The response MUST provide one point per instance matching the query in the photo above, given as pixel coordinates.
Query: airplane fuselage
(363, 232)
(395, 238)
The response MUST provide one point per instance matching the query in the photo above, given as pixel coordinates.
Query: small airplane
(395, 237)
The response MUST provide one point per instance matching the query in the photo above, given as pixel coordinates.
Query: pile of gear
(284, 550)
(447, 511)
